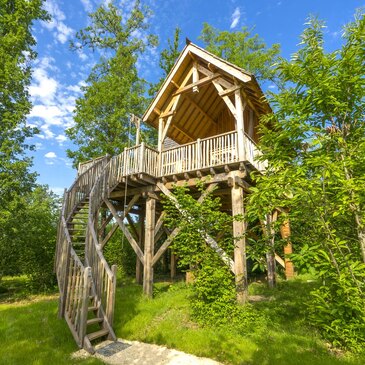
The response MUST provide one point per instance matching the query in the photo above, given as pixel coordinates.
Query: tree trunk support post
(239, 229)
(288, 248)
(139, 266)
(149, 247)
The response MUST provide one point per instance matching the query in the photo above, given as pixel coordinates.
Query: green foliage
(168, 57)
(315, 148)
(114, 89)
(28, 238)
(214, 288)
(244, 50)
(119, 252)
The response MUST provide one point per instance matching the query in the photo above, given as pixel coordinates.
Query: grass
(30, 332)
(284, 339)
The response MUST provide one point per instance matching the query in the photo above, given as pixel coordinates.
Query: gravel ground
(125, 352)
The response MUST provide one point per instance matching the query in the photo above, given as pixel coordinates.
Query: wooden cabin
(206, 113)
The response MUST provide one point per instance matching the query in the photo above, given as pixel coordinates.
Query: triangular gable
(197, 69)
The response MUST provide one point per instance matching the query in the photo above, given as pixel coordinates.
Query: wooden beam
(139, 266)
(177, 230)
(230, 91)
(226, 99)
(109, 235)
(149, 247)
(195, 77)
(207, 238)
(279, 260)
(201, 82)
(169, 119)
(240, 126)
(125, 230)
(221, 80)
(239, 230)
(160, 222)
(165, 245)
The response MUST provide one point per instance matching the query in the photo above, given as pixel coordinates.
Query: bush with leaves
(315, 148)
(214, 300)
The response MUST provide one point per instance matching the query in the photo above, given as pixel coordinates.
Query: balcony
(220, 150)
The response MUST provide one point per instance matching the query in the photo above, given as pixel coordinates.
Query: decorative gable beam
(201, 82)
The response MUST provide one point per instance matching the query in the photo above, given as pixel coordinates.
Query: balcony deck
(212, 152)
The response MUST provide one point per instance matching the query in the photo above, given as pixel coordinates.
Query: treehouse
(206, 113)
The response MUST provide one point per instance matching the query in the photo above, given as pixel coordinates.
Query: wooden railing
(252, 153)
(74, 282)
(204, 153)
(77, 281)
(104, 278)
(134, 160)
(83, 166)
(82, 186)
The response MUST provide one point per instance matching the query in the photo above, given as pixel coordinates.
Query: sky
(58, 72)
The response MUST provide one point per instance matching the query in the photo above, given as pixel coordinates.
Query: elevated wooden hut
(206, 113)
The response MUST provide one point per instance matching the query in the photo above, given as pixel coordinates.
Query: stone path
(125, 352)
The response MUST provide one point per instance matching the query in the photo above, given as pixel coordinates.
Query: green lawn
(30, 332)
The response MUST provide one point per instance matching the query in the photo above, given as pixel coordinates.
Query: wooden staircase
(86, 282)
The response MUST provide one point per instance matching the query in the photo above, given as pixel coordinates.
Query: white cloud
(50, 155)
(235, 18)
(60, 30)
(61, 138)
(64, 32)
(88, 6)
(43, 86)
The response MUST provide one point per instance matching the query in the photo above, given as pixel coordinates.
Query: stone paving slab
(125, 352)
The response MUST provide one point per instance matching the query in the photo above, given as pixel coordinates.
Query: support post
(172, 265)
(288, 248)
(239, 229)
(139, 266)
(240, 126)
(149, 247)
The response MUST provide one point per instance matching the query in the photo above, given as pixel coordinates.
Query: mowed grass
(285, 338)
(31, 333)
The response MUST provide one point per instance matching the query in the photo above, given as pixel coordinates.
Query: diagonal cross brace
(206, 237)
(125, 230)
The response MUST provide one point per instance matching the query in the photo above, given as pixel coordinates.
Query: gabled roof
(192, 54)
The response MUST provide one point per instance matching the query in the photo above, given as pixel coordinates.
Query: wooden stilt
(288, 248)
(172, 265)
(239, 229)
(149, 247)
(139, 266)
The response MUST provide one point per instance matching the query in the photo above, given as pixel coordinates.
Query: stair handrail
(104, 277)
(74, 279)
(82, 186)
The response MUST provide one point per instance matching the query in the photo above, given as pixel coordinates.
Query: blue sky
(59, 72)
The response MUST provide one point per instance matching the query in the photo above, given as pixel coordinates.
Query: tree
(16, 54)
(242, 49)
(315, 148)
(114, 90)
(168, 57)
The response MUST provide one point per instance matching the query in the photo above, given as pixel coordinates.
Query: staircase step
(97, 334)
(94, 320)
